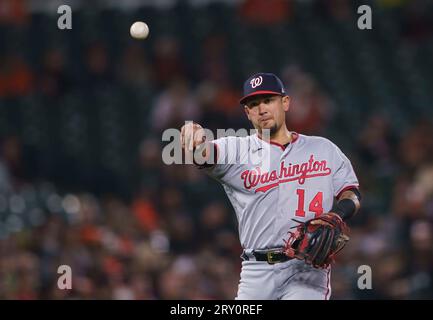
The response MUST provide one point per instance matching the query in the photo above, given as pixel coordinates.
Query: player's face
(267, 111)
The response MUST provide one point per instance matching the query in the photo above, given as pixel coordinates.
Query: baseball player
(291, 202)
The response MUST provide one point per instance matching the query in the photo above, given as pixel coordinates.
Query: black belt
(270, 256)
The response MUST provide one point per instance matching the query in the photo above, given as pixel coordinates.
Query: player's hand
(192, 135)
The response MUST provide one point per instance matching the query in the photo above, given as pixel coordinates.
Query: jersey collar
(295, 137)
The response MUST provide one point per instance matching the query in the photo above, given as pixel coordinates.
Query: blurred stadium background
(82, 182)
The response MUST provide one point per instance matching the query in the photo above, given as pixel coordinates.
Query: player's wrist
(345, 209)
(207, 155)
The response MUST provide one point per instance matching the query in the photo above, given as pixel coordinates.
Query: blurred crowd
(174, 235)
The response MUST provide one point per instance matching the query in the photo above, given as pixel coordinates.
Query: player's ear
(286, 103)
(247, 112)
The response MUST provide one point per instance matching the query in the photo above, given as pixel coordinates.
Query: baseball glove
(318, 240)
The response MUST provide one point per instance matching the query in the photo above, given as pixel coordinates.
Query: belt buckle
(270, 257)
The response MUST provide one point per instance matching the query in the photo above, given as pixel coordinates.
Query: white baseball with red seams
(299, 182)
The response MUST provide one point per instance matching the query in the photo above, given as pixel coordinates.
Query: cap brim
(256, 93)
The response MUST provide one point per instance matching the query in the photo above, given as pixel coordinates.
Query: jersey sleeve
(344, 176)
(226, 154)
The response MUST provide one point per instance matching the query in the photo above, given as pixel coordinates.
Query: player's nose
(262, 108)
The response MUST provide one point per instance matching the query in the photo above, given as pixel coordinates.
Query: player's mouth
(264, 119)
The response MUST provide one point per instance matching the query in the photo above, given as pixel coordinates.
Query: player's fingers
(189, 136)
(191, 140)
(182, 136)
(193, 135)
(199, 137)
(320, 222)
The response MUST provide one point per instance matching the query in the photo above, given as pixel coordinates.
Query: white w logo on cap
(255, 82)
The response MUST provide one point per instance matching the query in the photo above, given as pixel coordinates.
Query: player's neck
(282, 136)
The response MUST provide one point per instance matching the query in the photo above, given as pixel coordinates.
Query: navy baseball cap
(262, 83)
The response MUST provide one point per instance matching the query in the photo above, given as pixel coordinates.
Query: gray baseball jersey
(269, 184)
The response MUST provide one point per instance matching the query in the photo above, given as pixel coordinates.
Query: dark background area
(82, 112)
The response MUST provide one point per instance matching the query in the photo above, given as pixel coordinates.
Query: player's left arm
(346, 186)
(348, 203)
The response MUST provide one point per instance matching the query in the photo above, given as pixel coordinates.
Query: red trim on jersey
(278, 145)
(294, 135)
(347, 188)
(327, 284)
(257, 93)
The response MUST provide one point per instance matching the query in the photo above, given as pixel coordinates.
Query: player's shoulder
(316, 140)
(321, 144)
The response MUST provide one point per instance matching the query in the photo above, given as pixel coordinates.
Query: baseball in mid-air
(139, 30)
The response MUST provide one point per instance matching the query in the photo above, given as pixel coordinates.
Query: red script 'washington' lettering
(268, 180)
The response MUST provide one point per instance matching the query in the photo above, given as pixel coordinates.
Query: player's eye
(253, 104)
(267, 100)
